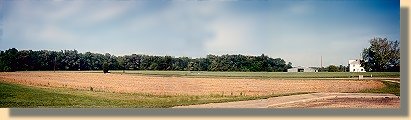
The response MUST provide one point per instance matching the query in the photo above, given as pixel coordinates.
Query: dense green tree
(9, 60)
(106, 67)
(343, 68)
(121, 63)
(382, 55)
(332, 68)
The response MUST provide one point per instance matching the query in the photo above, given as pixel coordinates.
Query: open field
(124, 83)
(92, 89)
(263, 74)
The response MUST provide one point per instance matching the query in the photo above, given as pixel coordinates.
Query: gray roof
(299, 67)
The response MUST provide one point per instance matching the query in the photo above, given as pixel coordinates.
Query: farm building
(355, 66)
(302, 69)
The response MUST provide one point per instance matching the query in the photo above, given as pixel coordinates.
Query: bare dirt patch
(314, 100)
(179, 85)
(347, 103)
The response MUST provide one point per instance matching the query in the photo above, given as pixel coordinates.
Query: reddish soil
(314, 100)
(348, 103)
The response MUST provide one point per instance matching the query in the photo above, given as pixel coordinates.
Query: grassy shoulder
(13, 95)
(390, 87)
(263, 74)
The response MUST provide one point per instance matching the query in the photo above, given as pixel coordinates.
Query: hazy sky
(299, 31)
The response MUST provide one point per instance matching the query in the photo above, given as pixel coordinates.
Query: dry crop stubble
(125, 83)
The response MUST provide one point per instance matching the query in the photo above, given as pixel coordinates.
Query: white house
(355, 66)
(302, 69)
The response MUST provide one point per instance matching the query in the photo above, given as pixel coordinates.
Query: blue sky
(299, 31)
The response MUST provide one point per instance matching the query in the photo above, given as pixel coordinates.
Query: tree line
(382, 55)
(23, 60)
(334, 68)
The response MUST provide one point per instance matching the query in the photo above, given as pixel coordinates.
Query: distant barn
(302, 69)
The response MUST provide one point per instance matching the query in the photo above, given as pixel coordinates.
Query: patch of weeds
(390, 87)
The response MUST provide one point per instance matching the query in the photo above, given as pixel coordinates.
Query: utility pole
(321, 63)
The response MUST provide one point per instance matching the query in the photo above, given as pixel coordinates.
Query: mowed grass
(262, 74)
(390, 87)
(14, 95)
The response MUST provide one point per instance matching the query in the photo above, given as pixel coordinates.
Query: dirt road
(314, 100)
